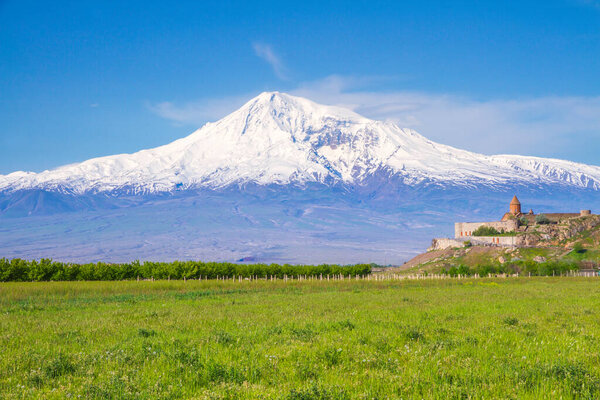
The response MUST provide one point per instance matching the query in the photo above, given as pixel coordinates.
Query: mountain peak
(286, 105)
(269, 98)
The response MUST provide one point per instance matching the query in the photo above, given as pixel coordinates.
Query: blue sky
(86, 79)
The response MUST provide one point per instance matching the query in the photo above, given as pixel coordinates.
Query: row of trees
(47, 270)
(523, 267)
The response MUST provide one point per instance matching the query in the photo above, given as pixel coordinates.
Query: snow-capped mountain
(281, 179)
(280, 139)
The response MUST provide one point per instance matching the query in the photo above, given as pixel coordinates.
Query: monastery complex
(509, 231)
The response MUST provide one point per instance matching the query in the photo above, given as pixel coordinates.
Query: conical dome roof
(515, 201)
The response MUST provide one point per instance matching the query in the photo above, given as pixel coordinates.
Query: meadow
(443, 339)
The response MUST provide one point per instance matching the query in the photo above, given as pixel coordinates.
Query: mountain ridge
(279, 139)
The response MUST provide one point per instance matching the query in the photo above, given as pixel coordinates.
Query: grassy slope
(513, 338)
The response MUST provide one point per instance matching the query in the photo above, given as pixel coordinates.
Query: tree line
(19, 270)
(523, 267)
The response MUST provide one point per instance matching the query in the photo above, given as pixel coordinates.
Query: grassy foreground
(504, 338)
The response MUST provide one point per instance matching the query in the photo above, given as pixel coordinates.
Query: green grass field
(504, 338)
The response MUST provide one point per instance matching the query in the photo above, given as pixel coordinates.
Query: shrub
(541, 219)
(578, 248)
(461, 270)
(523, 221)
(485, 231)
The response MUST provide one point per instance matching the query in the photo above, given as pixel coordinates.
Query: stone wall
(500, 241)
(466, 229)
(445, 243)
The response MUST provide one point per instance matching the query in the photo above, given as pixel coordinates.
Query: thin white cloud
(265, 52)
(552, 126)
(199, 112)
(563, 127)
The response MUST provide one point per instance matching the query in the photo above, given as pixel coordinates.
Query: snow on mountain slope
(276, 138)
